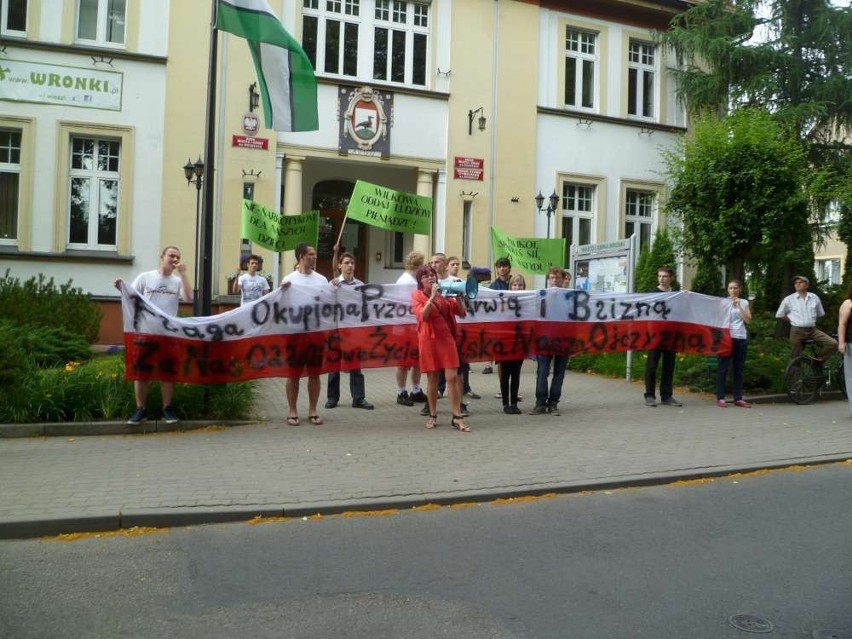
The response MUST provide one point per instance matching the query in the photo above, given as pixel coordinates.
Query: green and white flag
(530, 254)
(288, 85)
(277, 232)
(390, 210)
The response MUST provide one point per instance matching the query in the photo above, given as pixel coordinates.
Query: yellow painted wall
(504, 85)
(186, 96)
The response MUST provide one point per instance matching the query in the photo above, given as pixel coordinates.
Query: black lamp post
(551, 208)
(194, 174)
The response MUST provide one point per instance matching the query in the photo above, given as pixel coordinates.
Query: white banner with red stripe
(307, 330)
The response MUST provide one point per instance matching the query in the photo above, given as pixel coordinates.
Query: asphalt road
(672, 561)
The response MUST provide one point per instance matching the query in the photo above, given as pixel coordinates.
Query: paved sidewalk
(605, 437)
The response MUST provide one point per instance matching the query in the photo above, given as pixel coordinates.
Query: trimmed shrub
(39, 302)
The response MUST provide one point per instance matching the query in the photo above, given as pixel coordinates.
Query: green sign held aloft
(390, 210)
(530, 254)
(275, 231)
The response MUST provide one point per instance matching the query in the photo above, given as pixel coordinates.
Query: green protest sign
(390, 210)
(530, 254)
(275, 231)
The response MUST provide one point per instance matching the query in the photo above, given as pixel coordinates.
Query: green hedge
(40, 302)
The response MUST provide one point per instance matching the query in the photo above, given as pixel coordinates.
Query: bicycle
(807, 377)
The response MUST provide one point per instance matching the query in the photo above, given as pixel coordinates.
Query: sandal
(459, 425)
(432, 421)
(316, 420)
(293, 420)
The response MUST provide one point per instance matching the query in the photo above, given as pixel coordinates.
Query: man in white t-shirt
(251, 285)
(304, 275)
(165, 290)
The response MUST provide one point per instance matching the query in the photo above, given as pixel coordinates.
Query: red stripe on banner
(153, 357)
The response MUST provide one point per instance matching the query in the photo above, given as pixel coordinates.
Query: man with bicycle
(802, 309)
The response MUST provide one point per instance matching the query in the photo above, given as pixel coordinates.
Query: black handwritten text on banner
(314, 330)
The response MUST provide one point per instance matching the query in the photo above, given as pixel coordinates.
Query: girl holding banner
(437, 342)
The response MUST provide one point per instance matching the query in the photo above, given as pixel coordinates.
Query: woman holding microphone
(438, 342)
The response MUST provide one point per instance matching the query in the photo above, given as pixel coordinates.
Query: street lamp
(194, 174)
(471, 115)
(551, 208)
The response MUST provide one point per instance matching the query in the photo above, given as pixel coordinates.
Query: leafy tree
(793, 59)
(708, 280)
(737, 184)
(660, 254)
(645, 277)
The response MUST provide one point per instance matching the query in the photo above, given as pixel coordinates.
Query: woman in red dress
(437, 340)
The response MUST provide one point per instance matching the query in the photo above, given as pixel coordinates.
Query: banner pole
(336, 250)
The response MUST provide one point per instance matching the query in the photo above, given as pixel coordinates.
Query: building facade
(480, 104)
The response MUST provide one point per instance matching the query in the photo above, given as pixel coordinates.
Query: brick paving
(605, 437)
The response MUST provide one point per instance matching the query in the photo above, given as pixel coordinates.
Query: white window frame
(397, 247)
(13, 168)
(4, 19)
(345, 13)
(581, 58)
(632, 212)
(573, 216)
(825, 270)
(101, 24)
(411, 19)
(96, 176)
(638, 63)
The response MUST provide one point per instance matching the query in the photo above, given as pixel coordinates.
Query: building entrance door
(331, 199)
(353, 240)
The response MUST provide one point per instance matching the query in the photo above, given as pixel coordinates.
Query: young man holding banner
(164, 288)
(665, 277)
(304, 275)
(346, 266)
(547, 396)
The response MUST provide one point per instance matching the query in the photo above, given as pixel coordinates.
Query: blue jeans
(356, 386)
(551, 396)
(738, 355)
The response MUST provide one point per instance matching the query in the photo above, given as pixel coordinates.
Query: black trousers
(666, 379)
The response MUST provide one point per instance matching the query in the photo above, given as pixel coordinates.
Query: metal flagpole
(209, 168)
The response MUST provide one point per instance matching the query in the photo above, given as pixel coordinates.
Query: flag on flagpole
(288, 85)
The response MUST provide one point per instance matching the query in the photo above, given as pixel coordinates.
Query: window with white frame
(10, 179)
(641, 79)
(831, 217)
(330, 35)
(639, 212)
(400, 41)
(391, 36)
(101, 21)
(581, 60)
(94, 193)
(578, 214)
(828, 271)
(13, 17)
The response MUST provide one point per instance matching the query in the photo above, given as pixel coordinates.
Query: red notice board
(468, 168)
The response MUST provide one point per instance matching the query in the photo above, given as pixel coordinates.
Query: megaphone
(470, 287)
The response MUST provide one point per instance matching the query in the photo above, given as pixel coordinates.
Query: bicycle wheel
(801, 382)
